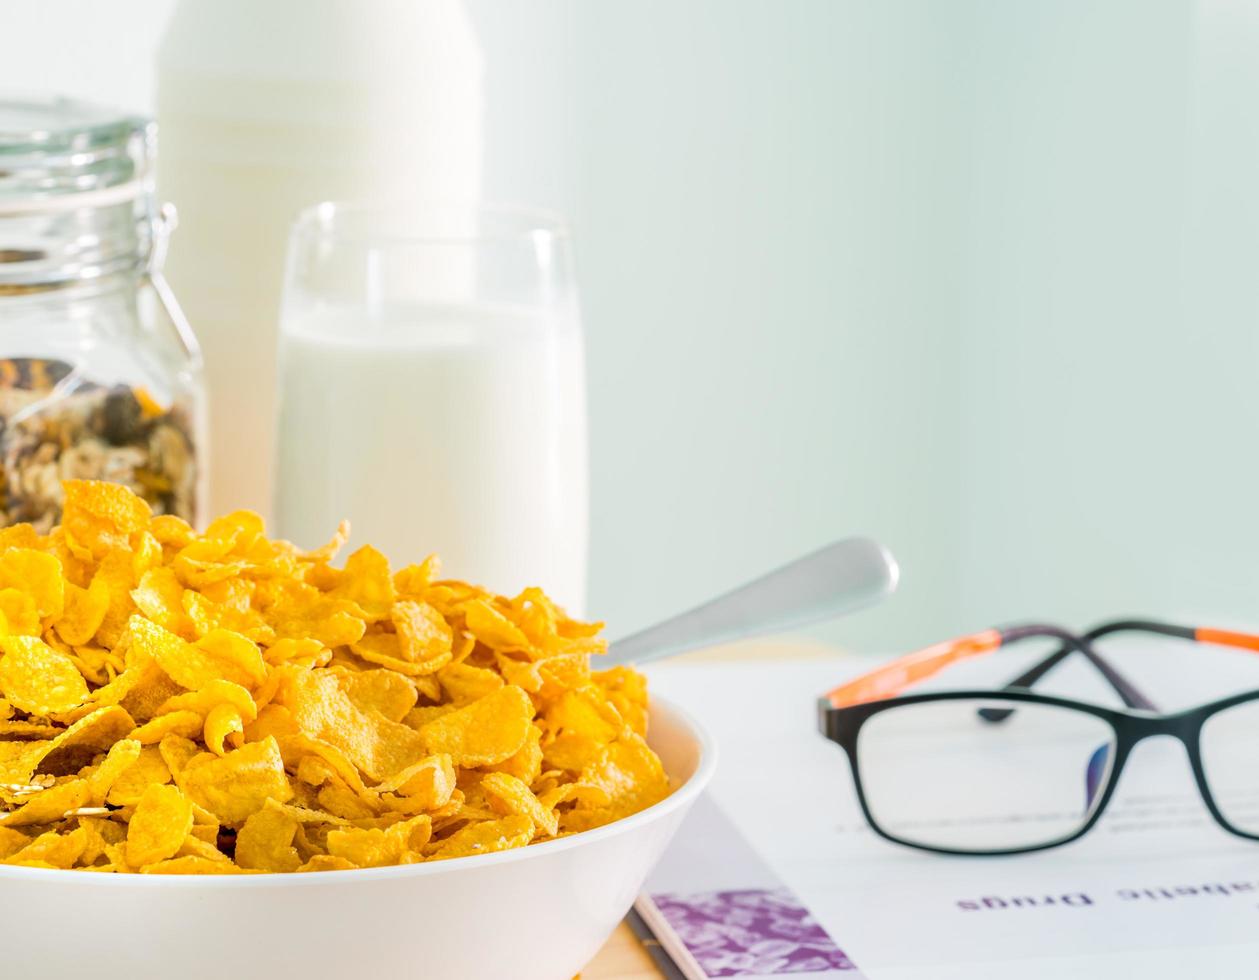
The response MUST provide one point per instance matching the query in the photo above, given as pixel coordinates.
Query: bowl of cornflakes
(221, 754)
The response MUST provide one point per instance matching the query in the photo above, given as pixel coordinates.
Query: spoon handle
(841, 578)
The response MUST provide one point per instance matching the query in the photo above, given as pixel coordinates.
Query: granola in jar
(56, 424)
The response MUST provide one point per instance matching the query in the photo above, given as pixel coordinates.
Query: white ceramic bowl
(538, 912)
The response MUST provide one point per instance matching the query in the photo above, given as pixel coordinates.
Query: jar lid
(52, 149)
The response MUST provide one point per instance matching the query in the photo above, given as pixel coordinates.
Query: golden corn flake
(202, 842)
(11, 841)
(327, 862)
(176, 752)
(84, 612)
(122, 755)
(367, 582)
(51, 805)
(52, 850)
(464, 683)
(377, 746)
(147, 770)
(386, 691)
(417, 718)
(486, 837)
(584, 712)
(76, 746)
(372, 847)
(37, 679)
(526, 763)
(299, 611)
(159, 596)
(338, 799)
(21, 615)
(238, 784)
(171, 531)
(626, 777)
(100, 517)
(158, 827)
(219, 655)
(185, 723)
(424, 636)
(265, 842)
(212, 695)
(493, 628)
(224, 729)
(183, 703)
(39, 575)
(508, 795)
(487, 731)
(191, 864)
(428, 784)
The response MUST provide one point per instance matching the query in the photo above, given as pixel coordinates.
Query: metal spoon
(839, 579)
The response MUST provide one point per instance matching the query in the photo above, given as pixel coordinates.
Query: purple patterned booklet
(719, 910)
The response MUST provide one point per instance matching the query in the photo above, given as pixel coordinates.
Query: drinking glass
(432, 391)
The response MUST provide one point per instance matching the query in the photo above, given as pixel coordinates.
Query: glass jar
(100, 375)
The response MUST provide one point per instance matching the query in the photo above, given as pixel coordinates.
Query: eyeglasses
(1010, 771)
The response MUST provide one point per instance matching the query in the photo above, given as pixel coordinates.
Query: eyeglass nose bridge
(1137, 726)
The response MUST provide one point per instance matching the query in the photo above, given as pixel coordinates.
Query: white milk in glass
(459, 430)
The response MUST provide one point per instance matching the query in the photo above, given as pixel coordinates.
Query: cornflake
(221, 703)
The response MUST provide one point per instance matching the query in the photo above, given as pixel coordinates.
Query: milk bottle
(264, 108)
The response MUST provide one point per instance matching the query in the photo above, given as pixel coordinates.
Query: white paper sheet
(1157, 890)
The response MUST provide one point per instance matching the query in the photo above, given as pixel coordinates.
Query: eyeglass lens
(1229, 746)
(938, 774)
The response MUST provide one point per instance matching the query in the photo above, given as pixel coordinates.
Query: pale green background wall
(976, 276)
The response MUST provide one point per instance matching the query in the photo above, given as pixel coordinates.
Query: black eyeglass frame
(1130, 727)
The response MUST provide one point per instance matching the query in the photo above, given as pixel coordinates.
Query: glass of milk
(432, 390)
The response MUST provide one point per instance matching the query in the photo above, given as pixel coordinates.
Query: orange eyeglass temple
(889, 680)
(1227, 638)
